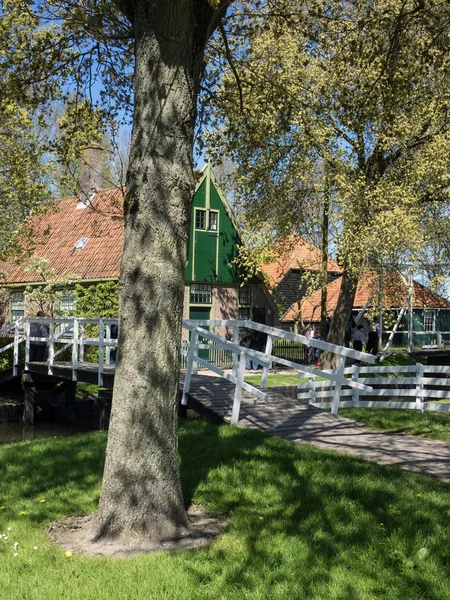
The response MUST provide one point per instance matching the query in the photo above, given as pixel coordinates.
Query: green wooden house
(213, 282)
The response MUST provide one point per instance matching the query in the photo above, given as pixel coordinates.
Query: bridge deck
(86, 372)
(301, 423)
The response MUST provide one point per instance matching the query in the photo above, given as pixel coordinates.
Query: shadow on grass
(302, 523)
(313, 518)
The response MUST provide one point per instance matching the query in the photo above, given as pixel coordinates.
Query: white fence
(61, 334)
(389, 383)
(266, 359)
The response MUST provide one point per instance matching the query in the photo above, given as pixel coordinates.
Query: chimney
(91, 176)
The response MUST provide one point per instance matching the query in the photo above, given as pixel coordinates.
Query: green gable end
(213, 237)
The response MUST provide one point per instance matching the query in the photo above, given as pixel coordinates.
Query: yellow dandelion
(68, 554)
(42, 500)
(23, 512)
(2, 507)
(261, 518)
(419, 495)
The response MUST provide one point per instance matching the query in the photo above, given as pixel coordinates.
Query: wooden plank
(229, 377)
(437, 407)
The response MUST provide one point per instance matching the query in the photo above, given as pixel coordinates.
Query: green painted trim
(24, 284)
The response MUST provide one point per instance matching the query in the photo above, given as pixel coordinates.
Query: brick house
(83, 236)
(431, 312)
(286, 278)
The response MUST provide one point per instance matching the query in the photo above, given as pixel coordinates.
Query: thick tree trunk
(341, 317)
(141, 487)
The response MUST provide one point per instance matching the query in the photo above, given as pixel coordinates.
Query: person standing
(372, 342)
(309, 349)
(38, 330)
(359, 338)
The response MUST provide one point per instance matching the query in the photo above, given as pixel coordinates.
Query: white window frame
(429, 318)
(198, 291)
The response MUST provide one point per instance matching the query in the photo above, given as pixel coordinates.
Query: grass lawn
(274, 379)
(433, 425)
(302, 524)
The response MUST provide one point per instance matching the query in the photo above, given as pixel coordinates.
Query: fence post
(312, 394)
(338, 386)
(74, 349)
(419, 387)
(189, 366)
(27, 342)
(81, 342)
(51, 346)
(355, 393)
(16, 348)
(265, 372)
(108, 339)
(238, 390)
(235, 356)
(101, 347)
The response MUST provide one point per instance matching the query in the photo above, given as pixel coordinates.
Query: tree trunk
(141, 487)
(340, 319)
(324, 270)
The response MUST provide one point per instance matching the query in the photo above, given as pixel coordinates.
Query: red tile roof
(394, 296)
(56, 231)
(296, 253)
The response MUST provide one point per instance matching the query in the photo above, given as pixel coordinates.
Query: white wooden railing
(70, 332)
(15, 328)
(266, 359)
(391, 381)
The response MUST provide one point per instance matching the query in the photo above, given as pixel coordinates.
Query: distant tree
(362, 87)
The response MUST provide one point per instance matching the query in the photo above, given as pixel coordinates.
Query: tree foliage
(362, 87)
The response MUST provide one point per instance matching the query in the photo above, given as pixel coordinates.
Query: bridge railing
(71, 332)
(15, 328)
(266, 359)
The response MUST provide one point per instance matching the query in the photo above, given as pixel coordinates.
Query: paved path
(303, 424)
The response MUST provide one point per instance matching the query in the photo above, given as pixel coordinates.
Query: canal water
(19, 432)
(11, 403)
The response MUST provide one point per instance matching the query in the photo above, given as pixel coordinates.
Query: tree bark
(141, 492)
(341, 317)
(324, 269)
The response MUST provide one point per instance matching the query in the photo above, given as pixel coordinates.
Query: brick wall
(225, 306)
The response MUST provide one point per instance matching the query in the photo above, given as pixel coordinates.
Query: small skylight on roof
(81, 243)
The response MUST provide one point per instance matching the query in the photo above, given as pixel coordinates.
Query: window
(17, 305)
(213, 220)
(81, 243)
(201, 293)
(245, 294)
(244, 313)
(200, 219)
(67, 303)
(429, 317)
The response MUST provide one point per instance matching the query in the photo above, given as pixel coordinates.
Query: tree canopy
(360, 87)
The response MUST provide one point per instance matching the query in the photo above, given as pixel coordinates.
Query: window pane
(67, 303)
(428, 320)
(245, 294)
(17, 306)
(18, 301)
(201, 293)
(213, 219)
(244, 313)
(200, 219)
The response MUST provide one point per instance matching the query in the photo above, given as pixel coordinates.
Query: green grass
(302, 524)
(433, 425)
(274, 380)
